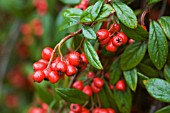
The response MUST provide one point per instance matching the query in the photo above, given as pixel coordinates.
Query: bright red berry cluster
(41, 6)
(83, 5)
(112, 38)
(103, 110)
(77, 108)
(58, 67)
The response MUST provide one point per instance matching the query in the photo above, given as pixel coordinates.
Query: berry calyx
(121, 85)
(75, 108)
(110, 47)
(98, 82)
(78, 85)
(102, 34)
(117, 40)
(88, 90)
(124, 37)
(38, 76)
(53, 77)
(73, 58)
(46, 53)
(71, 70)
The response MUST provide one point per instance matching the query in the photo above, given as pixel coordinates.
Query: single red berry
(98, 82)
(102, 110)
(46, 53)
(131, 41)
(78, 85)
(121, 85)
(83, 58)
(94, 88)
(73, 58)
(111, 86)
(43, 61)
(105, 41)
(61, 67)
(75, 108)
(85, 2)
(44, 106)
(96, 110)
(110, 110)
(26, 29)
(116, 27)
(117, 40)
(39, 66)
(85, 110)
(56, 60)
(80, 6)
(90, 75)
(107, 76)
(124, 37)
(88, 90)
(71, 70)
(38, 76)
(72, 112)
(46, 72)
(53, 77)
(110, 47)
(102, 34)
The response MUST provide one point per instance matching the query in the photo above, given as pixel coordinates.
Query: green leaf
(86, 15)
(165, 24)
(158, 89)
(104, 98)
(115, 71)
(69, 22)
(149, 2)
(167, 73)
(125, 14)
(71, 2)
(106, 10)
(123, 100)
(96, 9)
(131, 78)
(92, 55)
(127, 1)
(138, 34)
(133, 55)
(72, 12)
(88, 32)
(164, 110)
(72, 95)
(141, 77)
(157, 45)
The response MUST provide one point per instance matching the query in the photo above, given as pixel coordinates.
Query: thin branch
(163, 8)
(144, 14)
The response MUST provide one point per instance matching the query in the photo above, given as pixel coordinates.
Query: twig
(98, 100)
(163, 8)
(144, 14)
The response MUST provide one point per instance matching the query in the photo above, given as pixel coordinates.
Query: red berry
(102, 110)
(78, 85)
(105, 41)
(117, 40)
(130, 41)
(46, 72)
(98, 82)
(71, 70)
(85, 2)
(38, 76)
(124, 37)
(26, 29)
(88, 90)
(72, 112)
(39, 66)
(96, 110)
(74, 58)
(80, 6)
(75, 108)
(43, 61)
(53, 77)
(120, 85)
(111, 29)
(111, 86)
(61, 67)
(90, 75)
(46, 53)
(110, 110)
(110, 47)
(85, 110)
(102, 34)
(107, 76)
(116, 27)
(83, 58)
(94, 88)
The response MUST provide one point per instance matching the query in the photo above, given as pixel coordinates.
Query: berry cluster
(112, 38)
(83, 5)
(77, 108)
(58, 67)
(41, 6)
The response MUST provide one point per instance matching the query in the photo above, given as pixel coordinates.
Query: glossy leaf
(104, 99)
(149, 2)
(157, 45)
(92, 55)
(69, 22)
(131, 78)
(71, 2)
(141, 77)
(133, 55)
(72, 95)
(106, 10)
(72, 12)
(123, 100)
(125, 14)
(137, 34)
(167, 73)
(164, 110)
(115, 71)
(86, 15)
(88, 32)
(165, 24)
(158, 89)
(127, 1)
